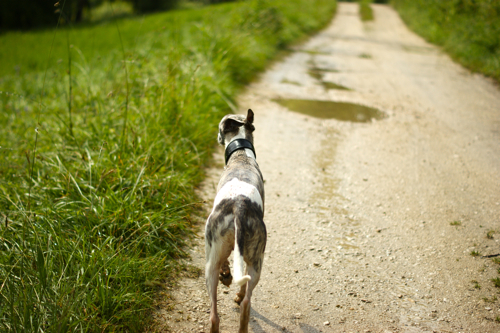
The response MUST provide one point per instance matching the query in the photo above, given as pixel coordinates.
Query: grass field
(104, 133)
(468, 30)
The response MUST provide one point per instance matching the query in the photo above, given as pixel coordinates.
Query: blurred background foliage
(29, 14)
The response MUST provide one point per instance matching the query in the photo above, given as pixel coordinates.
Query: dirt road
(371, 224)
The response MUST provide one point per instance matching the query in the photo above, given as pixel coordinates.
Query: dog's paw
(239, 298)
(225, 274)
(226, 279)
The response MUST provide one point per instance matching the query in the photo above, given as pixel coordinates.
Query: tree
(27, 14)
(146, 6)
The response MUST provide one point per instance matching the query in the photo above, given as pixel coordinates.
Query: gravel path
(371, 225)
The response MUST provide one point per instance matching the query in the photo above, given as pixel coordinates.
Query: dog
(237, 219)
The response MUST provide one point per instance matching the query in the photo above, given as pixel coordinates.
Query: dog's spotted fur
(236, 222)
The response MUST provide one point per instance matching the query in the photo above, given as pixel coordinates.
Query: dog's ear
(249, 119)
(231, 125)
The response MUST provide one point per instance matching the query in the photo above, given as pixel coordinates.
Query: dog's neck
(239, 144)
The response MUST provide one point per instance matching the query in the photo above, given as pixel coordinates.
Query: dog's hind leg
(246, 302)
(211, 274)
(216, 253)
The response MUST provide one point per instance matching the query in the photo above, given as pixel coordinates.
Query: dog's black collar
(237, 145)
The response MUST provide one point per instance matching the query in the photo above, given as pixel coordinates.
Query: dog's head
(236, 126)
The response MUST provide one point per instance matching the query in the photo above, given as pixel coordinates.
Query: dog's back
(236, 221)
(238, 213)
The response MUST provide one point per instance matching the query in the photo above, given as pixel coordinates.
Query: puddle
(417, 49)
(330, 85)
(315, 73)
(318, 74)
(315, 52)
(332, 110)
(290, 82)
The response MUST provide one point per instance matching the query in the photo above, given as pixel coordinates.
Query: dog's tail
(238, 265)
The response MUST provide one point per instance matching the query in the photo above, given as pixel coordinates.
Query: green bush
(468, 30)
(104, 136)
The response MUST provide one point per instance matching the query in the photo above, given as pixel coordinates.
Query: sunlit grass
(97, 180)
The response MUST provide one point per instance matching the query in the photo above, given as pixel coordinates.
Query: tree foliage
(26, 14)
(146, 6)
(29, 14)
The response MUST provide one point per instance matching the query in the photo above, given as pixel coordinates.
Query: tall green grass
(468, 30)
(365, 10)
(104, 133)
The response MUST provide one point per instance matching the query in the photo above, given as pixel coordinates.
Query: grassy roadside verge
(365, 11)
(468, 30)
(104, 133)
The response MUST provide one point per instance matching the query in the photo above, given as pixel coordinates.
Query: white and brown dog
(236, 221)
